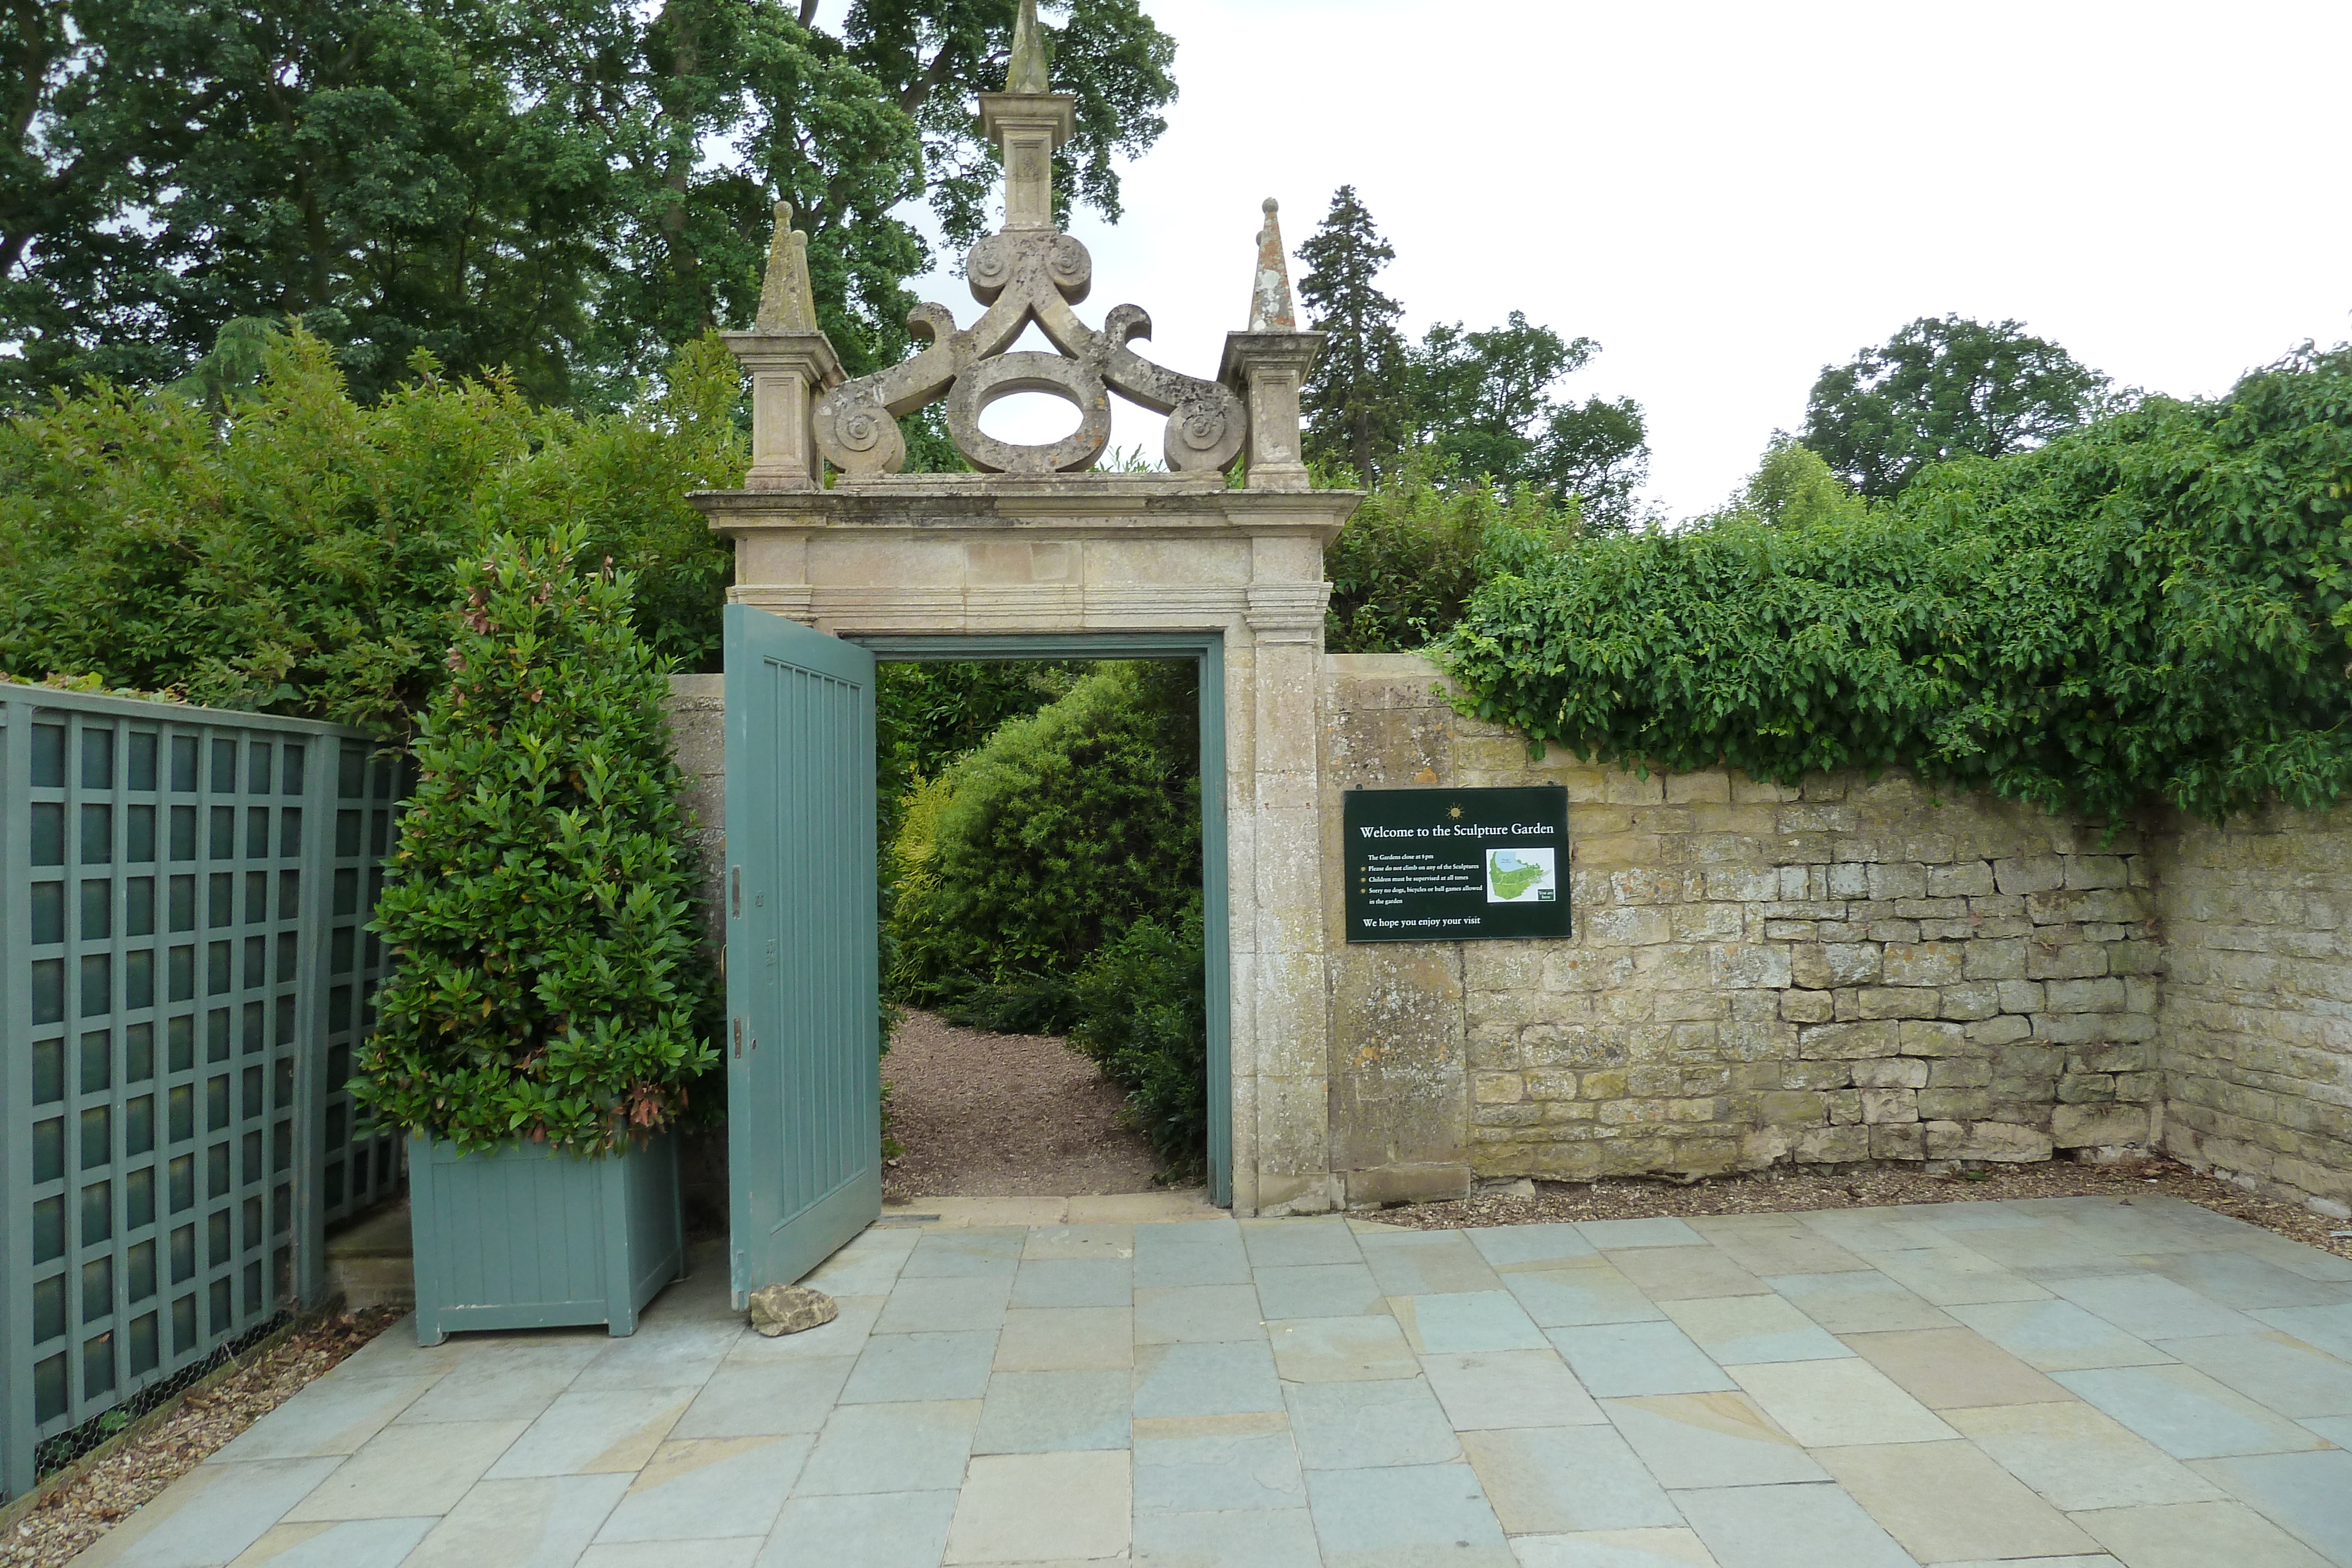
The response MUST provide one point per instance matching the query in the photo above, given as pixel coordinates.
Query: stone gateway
(1699, 974)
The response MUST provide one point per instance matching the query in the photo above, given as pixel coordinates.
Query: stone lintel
(1032, 508)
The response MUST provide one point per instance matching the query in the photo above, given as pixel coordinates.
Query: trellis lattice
(183, 980)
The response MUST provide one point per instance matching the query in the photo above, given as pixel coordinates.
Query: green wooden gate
(803, 1039)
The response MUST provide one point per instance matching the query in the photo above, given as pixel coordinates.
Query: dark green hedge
(2154, 606)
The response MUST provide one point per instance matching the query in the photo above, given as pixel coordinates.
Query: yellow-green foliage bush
(293, 554)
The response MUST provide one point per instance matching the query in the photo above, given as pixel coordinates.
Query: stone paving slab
(2076, 1382)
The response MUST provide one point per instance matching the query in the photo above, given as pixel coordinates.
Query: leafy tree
(567, 189)
(294, 557)
(1483, 400)
(1793, 486)
(930, 715)
(2157, 605)
(1357, 407)
(1407, 561)
(1939, 390)
(549, 981)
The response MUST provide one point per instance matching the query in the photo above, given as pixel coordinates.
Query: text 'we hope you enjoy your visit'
(1457, 865)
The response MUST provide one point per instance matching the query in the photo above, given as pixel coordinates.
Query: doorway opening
(1054, 950)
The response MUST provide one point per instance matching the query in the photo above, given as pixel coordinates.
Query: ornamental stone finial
(1027, 73)
(787, 304)
(1270, 309)
(1267, 366)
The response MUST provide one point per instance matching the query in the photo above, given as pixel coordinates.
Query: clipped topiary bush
(549, 982)
(1033, 851)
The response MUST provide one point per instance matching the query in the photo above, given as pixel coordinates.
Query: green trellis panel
(184, 980)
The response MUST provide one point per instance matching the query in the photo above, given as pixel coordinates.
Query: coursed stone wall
(1851, 971)
(2256, 1019)
(697, 729)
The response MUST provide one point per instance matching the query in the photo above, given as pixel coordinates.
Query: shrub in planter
(549, 998)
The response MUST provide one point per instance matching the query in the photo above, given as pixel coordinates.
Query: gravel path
(1003, 1115)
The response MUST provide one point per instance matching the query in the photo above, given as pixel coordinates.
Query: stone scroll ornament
(1029, 271)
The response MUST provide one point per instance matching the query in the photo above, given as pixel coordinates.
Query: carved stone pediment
(1024, 277)
(804, 415)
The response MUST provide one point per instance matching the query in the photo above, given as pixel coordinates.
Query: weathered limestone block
(1833, 1145)
(790, 1309)
(1398, 1013)
(1808, 1006)
(1899, 1002)
(1848, 1041)
(2029, 873)
(2000, 1030)
(1954, 1104)
(1890, 1106)
(2100, 996)
(1994, 1141)
(1922, 964)
(1892, 1073)
(1960, 1072)
(1898, 1141)
(1961, 879)
(1971, 1000)
(1432, 1182)
(2047, 960)
(2099, 1126)
(1831, 965)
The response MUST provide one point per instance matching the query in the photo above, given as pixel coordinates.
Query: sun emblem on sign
(1454, 812)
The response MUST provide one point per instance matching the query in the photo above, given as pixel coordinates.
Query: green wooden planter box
(525, 1238)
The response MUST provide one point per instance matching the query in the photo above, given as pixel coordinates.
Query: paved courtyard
(2076, 1382)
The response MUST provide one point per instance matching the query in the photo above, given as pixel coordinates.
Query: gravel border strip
(1783, 1191)
(58, 1520)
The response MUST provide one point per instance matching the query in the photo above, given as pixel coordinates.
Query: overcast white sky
(1728, 196)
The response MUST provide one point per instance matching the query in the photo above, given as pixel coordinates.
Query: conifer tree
(549, 982)
(1356, 400)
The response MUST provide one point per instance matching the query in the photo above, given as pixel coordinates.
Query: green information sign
(1457, 865)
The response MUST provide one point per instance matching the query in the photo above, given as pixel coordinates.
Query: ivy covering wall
(2156, 605)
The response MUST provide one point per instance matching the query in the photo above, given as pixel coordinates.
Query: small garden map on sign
(1520, 876)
